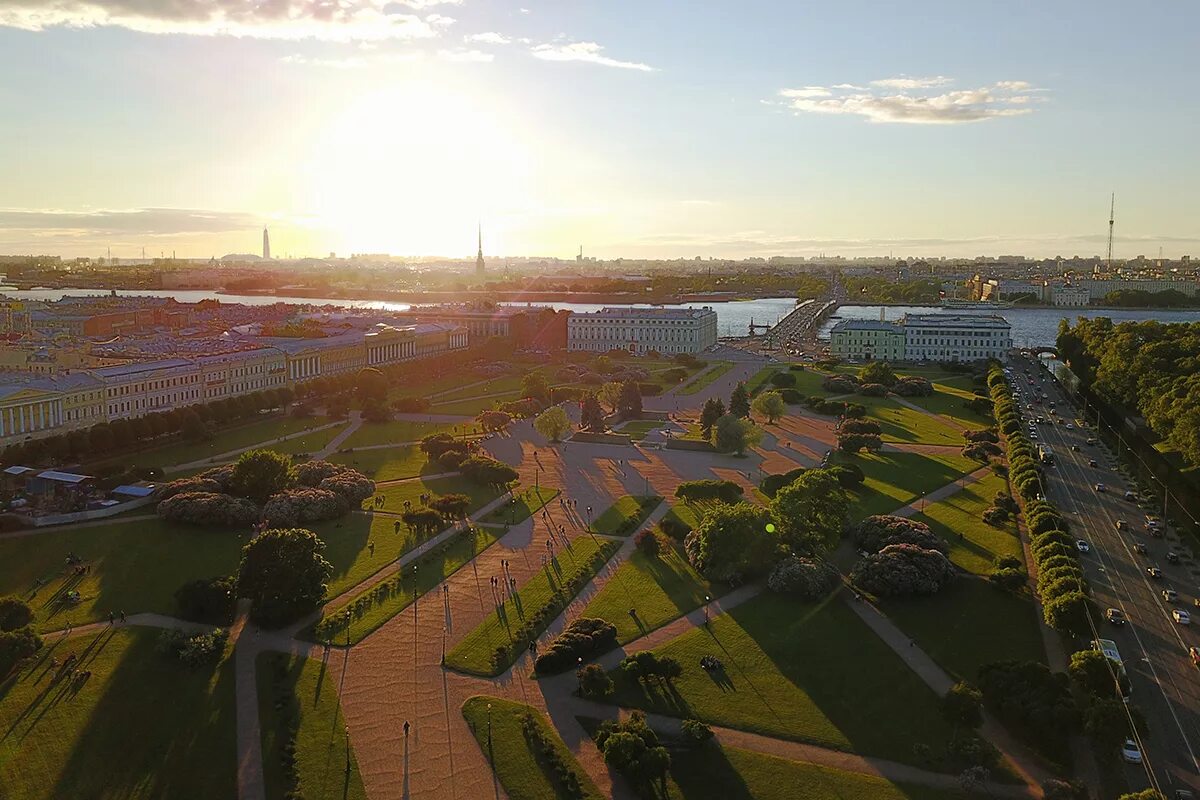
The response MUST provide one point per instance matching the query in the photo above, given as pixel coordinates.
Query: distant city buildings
(640, 330)
(922, 337)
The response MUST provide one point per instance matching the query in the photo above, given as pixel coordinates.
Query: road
(1154, 648)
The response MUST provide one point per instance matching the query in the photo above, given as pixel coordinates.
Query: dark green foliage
(582, 638)
(283, 572)
(208, 600)
(724, 491)
(1035, 703)
(771, 484)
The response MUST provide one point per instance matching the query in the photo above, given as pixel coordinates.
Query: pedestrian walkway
(225, 458)
(941, 493)
(356, 422)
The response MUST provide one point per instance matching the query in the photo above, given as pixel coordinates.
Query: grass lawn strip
(660, 588)
(534, 605)
(731, 773)
(760, 378)
(523, 505)
(800, 671)
(311, 443)
(895, 479)
(470, 408)
(949, 402)
(388, 463)
(396, 494)
(974, 545)
(298, 705)
(525, 772)
(142, 727)
(626, 515)
(704, 379)
(397, 431)
(968, 624)
(903, 424)
(638, 428)
(376, 605)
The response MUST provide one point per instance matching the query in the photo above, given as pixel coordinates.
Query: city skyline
(797, 131)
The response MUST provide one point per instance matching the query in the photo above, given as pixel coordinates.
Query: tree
(594, 681)
(804, 577)
(16, 646)
(713, 410)
(739, 401)
(592, 415)
(14, 613)
(534, 386)
(488, 471)
(494, 420)
(633, 749)
(903, 569)
(811, 511)
(877, 372)
(192, 427)
(734, 434)
(370, 386)
(1067, 612)
(260, 474)
(451, 506)
(962, 706)
(733, 542)
(1105, 721)
(648, 543)
(769, 405)
(1094, 673)
(283, 572)
(610, 395)
(553, 423)
(209, 600)
(629, 402)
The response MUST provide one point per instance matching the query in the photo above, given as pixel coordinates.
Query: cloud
(139, 221)
(489, 37)
(342, 21)
(353, 62)
(465, 55)
(905, 82)
(912, 101)
(589, 52)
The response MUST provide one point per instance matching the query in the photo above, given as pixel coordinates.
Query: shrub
(849, 476)
(1009, 578)
(349, 484)
(724, 491)
(1035, 703)
(15, 613)
(839, 384)
(877, 372)
(880, 530)
(995, 516)
(648, 543)
(16, 646)
(771, 484)
(981, 451)
(209, 600)
(594, 681)
(583, 637)
(193, 484)
(423, 521)
(208, 508)
(861, 426)
(803, 577)
(985, 435)
(299, 506)
(674, 528)
(311, 473)
(912, 386)
(903, 569)
(411, 405)
(194, 650)
(856, 442)
(694, 732)
(873, 390)
(783, 380)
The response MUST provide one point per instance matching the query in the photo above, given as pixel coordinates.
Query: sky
(646, 129)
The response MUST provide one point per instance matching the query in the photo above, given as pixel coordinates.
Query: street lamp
(347, 750)
(706, 599)
(489, 705)
(443, 645)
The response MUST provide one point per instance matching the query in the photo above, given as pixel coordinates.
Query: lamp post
(489, 705)
(706, 599)
(443, 645)
(347, 750)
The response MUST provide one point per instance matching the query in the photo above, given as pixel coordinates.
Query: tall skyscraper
(266, 244)
(479, 255)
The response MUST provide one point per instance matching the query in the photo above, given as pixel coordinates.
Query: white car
(1131, 752)
(1083, 546)
(1100, 487)
(1181, 616)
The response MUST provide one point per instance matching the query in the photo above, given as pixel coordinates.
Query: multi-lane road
(1154, 647)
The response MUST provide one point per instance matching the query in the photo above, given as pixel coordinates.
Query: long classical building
(33, 405)
(640, 330)
(923, 337)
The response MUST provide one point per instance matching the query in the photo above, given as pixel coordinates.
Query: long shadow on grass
(705, 772)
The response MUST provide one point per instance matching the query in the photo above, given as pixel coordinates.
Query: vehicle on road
(1091, 440)
(1122, 525)
(1180, 616)
(1131, 752)
(1131, 497)
(1101, 488)
(1070, 427)
(1154, 572)
(1115, 616)
(1082, 546)
(1140, 547)
(1109, 648)
(1170, 595)
(1194, 654)
(1091, 461)
(1075, 448)
(1172, 557)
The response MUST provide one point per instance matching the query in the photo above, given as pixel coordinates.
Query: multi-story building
(922, 337)
(527, 326)
(641, 330)
(867, 340)
(1073, 296)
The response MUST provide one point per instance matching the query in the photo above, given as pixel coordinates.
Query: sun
(411, 169)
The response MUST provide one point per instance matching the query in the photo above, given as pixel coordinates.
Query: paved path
(223, 458)
(356, 422)
(74, 526)
(939, 494)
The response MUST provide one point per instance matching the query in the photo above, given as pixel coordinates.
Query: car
(1082, 546)
(1180, 616)
(1183, 794)
(1121, 525)
(1152, 520)
(1194, 654)
(1115, 615)
(1070, 427)
(1172, 557)
(1170, 595)
(1033, 435)
(1091, 440)
(1091, 461)
(1154, 572)
(1140, 547)
(1131, 752)
(1131, 497)
(1101, 488)
(1075, 448)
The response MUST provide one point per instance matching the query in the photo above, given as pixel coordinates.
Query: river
(1031, 327)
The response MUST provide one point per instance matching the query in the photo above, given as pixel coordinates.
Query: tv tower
(1112, 205)
(266, 244)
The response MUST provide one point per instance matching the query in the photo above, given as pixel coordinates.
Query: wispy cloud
(347, 20)
(353, 62)
(488, 37)
(914, 100)
(589, 52)
(139, 221)
(465, 55)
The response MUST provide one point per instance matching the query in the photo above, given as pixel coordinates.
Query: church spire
(479, 255)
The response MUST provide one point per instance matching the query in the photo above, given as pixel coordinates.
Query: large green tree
(629, 402)
(734, 434)
(713, 410)
(284, 573)
(733, 542)
(769, 405)
(591, 414)
(259, 474)
(812, 511)
(739, 401)
(553, 423)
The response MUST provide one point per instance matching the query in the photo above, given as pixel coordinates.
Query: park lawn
(347, 546)
(311, 443)
(234, 437)
(475, 653)
(713, 772)
(894, 479)
(297, 693)
(659, 588)
(797, 670)
(521, 506)
(143, 726)
(395, 494)
(974, 545)
(524, 772)
(374, 606)
(691, 514)
(401, 431)
(761, 378)
(638, 428)
(949, 403)
(626, 515)
(470, 408)
(903, 424)
(704, 379)
(970, 623)
(388, 463)
(808, 382)
(136, 566)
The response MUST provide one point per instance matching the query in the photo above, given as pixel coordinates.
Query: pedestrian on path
(111, 617)
(122, 617)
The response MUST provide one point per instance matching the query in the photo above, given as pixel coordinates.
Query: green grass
(470, 408)
(143, 726)
(808, 382)
(660, 588)
(388, 463)
(970, 623)
(690, 514)
(373, 607)
(801, 671)
(761, 378)
(523, 505)
(523, 771)
(974, 545)
(398, 431)
(226, 439)
(626, 515)
(706, 378)
(638, 428)
(727, 773)
(136, 566)
(311, 443)
(475, 653)
(396, 494)
(902, 424)
(948, 401)
(895, 479)
(300, 692)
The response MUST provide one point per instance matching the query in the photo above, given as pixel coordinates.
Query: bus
(1045, 454)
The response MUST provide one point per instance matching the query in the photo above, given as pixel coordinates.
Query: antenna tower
(1111, 208)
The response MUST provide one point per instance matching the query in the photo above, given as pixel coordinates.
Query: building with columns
(640, 330)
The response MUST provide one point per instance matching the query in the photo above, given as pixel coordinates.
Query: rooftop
(627, 312)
